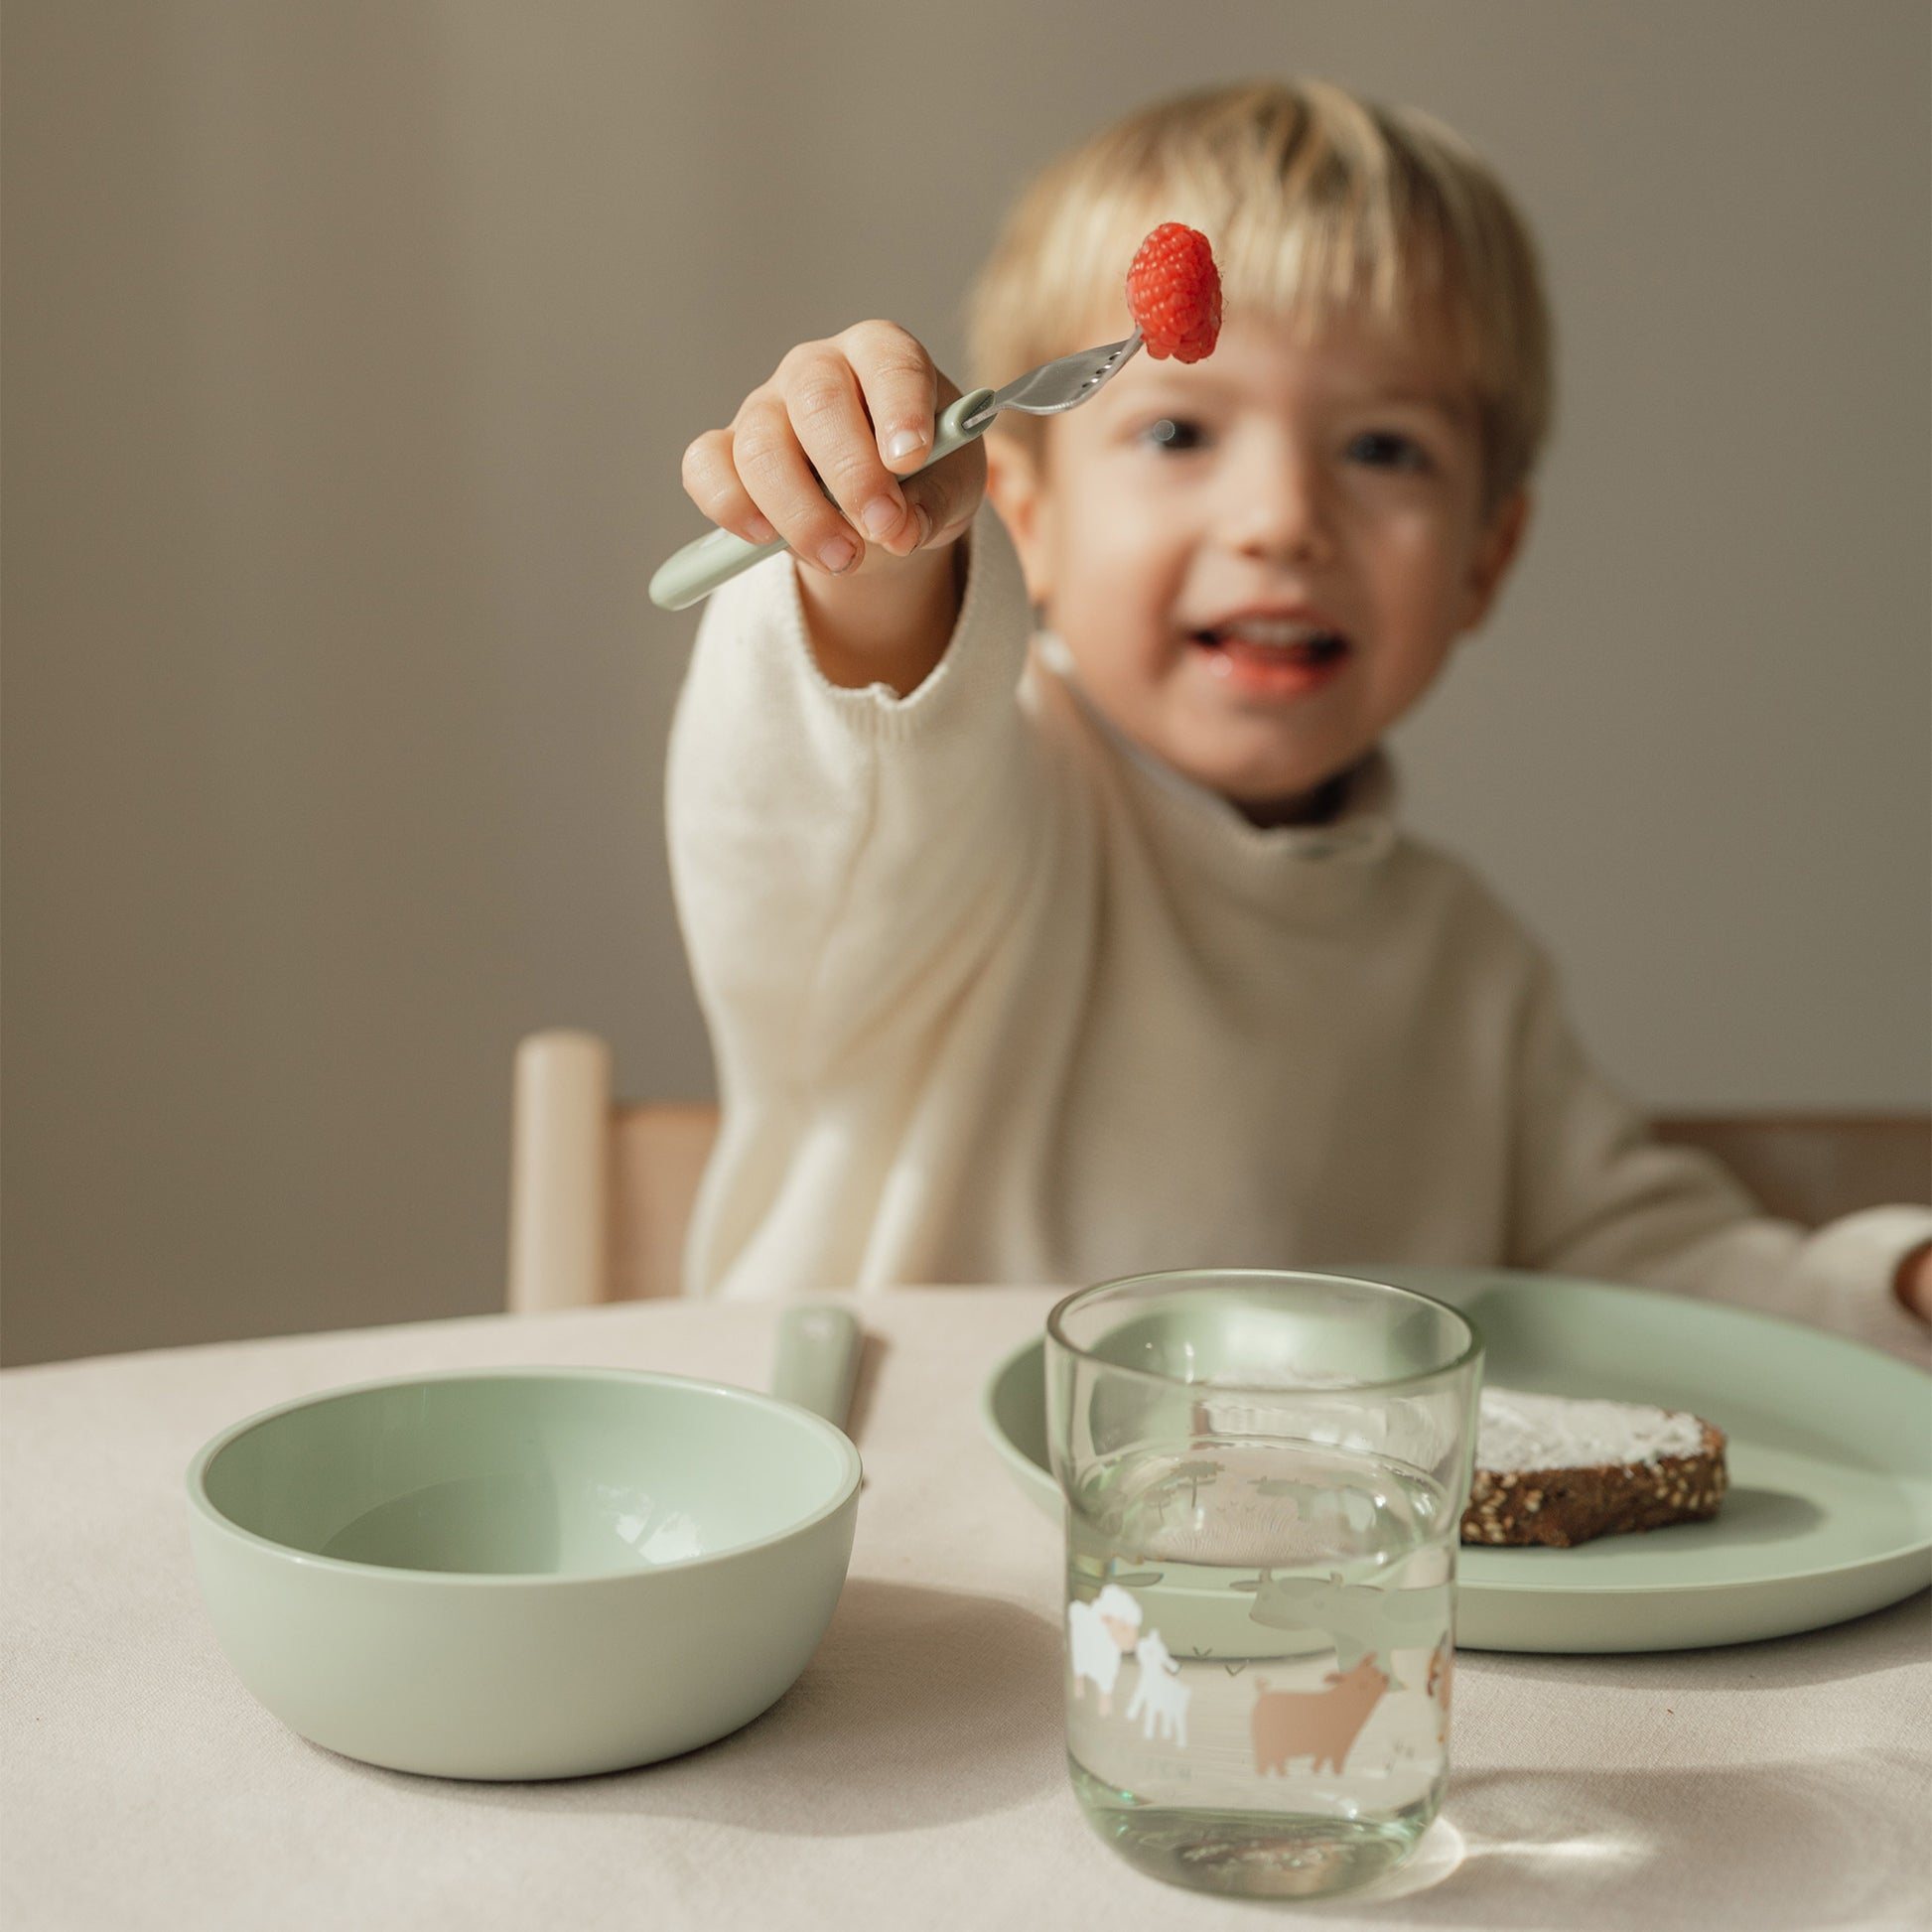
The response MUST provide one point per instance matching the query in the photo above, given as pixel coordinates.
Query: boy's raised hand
(877, 582)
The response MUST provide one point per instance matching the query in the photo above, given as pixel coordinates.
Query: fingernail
(879, 517)
(836, 553)
(759, 531)
(903, 443)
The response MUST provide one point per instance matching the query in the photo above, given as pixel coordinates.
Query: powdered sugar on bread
(1517, 1430)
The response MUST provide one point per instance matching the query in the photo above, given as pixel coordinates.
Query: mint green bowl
(522, 1573)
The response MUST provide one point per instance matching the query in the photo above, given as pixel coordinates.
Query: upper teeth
(1279, 632)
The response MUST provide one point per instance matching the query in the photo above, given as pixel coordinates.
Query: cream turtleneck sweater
(996, 998)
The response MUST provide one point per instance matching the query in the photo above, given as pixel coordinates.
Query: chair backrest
(1813, 1168)
(601, 1191)
(657, 1158)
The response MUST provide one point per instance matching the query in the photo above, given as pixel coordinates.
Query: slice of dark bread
(1557, 1471)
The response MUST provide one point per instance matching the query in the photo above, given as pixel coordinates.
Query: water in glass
(1258, 1660)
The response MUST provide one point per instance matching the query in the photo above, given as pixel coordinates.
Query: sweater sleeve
(835, 853)
(1596, 1195)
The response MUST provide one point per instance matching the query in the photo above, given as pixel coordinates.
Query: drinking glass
(1265, 1476)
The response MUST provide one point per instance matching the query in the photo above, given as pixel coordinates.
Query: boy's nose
(1277, 510)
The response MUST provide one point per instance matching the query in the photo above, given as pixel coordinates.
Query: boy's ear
(1018, 491)
(1496, 550)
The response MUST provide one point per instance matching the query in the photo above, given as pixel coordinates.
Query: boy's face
(1261, 561)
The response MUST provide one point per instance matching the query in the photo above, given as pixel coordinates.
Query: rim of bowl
(1057, 1337)
(205, 1506)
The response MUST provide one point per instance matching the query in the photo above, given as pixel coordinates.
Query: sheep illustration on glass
(1099, 1635)
(1160, 1698)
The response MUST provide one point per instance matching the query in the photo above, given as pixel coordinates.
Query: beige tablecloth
(914, 1777)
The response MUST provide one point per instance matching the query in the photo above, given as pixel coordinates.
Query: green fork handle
(708, 561)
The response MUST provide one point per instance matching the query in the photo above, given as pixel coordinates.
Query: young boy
(1038, 860)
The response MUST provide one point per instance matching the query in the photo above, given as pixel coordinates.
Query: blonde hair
(1317, 203)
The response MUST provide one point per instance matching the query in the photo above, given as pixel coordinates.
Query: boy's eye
(1173, 433)
(1385, 449)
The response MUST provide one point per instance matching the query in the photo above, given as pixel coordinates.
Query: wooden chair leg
(560, 1158)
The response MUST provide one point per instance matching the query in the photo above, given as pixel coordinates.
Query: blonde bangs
(1317, 205)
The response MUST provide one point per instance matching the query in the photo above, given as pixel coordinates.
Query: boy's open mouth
(1273, 643)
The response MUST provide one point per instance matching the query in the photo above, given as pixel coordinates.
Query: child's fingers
(900, 387)
(773, 467)
(904, 393)
(712, 481)
(828, 414)
(809, 456)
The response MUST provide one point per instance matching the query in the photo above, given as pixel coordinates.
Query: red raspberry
(1174, 289)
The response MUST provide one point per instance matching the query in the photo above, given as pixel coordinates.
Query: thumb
(948, 493)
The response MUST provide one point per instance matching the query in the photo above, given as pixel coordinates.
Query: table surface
(914, 1775)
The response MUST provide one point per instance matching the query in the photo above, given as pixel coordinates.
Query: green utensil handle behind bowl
(717, 557)
(817, 1361)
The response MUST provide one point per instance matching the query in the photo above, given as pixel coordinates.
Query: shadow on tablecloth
(921, 1707)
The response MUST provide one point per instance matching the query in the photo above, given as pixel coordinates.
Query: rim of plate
(1037, 1473)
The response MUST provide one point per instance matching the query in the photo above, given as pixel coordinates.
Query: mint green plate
(1830, 1509)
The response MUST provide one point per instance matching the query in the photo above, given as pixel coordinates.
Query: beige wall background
(350, 350)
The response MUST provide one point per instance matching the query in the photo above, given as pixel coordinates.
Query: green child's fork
(715, 558)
